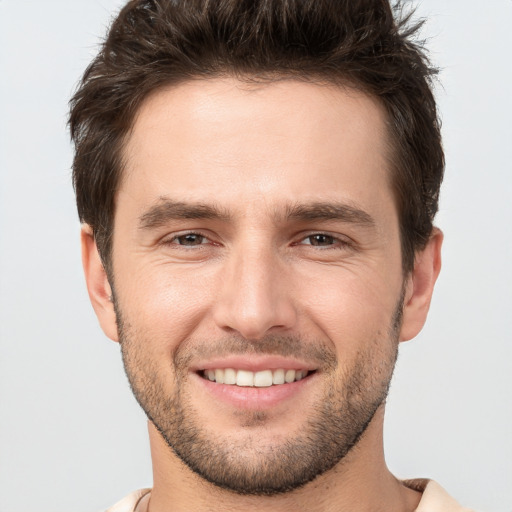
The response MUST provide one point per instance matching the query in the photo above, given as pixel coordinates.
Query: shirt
(434, 499)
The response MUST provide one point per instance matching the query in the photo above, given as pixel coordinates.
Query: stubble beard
(332, 429)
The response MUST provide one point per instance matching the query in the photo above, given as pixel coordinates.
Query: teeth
(262, 379)
(244, 378)
(278, 377)
(219, 376)
(229, 376)
(289, 376)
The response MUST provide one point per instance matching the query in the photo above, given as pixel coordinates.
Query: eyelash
(337, 242)
(175, 238)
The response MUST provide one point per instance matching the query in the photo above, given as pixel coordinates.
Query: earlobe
(420, 286)
(100, 292)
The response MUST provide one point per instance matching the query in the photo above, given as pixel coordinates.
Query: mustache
(312, 351)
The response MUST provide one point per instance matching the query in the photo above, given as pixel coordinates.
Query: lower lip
(252, 397)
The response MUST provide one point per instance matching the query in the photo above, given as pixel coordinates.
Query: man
(257, 182)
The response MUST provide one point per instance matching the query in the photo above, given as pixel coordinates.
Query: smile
(260, 379)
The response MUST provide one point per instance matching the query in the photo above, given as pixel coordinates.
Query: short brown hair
(364, 44)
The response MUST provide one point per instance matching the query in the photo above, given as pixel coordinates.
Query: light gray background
(71, 436)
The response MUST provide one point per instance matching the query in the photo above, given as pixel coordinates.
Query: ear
(420, 286)
(100, 292)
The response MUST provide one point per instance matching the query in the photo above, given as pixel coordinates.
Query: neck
(361, 482)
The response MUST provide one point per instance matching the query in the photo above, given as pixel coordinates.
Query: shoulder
(130, 502)
(434, 497)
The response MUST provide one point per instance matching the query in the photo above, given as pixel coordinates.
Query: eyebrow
(167, 210)
(330, 211)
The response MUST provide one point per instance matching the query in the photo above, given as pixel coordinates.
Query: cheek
(355, 308)
(164, 301)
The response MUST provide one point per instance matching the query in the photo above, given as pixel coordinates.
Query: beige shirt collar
(434, 499)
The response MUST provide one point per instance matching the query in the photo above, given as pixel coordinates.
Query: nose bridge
(254, 298)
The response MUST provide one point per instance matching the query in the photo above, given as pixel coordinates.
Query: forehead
(250, 146)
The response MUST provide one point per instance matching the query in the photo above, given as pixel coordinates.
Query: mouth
(254, 382)
(258, 379)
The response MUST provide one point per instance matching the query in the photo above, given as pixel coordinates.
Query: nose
(255, 296)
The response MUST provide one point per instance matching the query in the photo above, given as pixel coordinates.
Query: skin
(255, 152)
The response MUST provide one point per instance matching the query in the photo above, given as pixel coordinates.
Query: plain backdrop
(72, 438)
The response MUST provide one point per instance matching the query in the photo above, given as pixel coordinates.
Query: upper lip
(253, 363)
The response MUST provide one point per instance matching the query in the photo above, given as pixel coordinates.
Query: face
(257, 275)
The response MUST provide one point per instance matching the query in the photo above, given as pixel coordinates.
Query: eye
(320, 240)
(190, 239)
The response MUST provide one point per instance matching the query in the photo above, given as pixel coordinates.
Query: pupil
(190, 239)
(322, 240)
